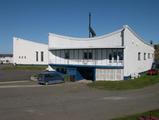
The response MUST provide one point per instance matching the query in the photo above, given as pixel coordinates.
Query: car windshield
(55, 76)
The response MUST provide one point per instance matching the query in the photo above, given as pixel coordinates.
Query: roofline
(134, 33)
(17, 38)
(103, 36)
(85, 39)
(111, 47)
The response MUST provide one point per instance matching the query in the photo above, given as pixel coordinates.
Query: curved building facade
(115, 56)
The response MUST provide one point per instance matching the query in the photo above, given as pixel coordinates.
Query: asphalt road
(71, 101)
(12, 75)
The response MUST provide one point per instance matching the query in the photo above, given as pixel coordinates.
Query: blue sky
(34, 19)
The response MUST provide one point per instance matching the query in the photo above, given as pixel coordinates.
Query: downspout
(122, 44)
(122, 37)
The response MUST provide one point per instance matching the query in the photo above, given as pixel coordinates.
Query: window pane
(67, 56)
(120, 54)
(139, 55)
(42, 56)
(110, 58)
(85, 55)
(36, 55)
(90, 55)
(148, 55)
(144, 56)
(115, 56)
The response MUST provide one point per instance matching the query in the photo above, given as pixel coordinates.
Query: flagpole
(89, 25)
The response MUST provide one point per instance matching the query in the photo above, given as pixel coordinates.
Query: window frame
(87, 55)
(37, 58)
(139, 56)
(144, 56)
(110, 58)
(67, 55)
(42, 56)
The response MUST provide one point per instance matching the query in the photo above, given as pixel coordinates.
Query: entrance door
(87, 73)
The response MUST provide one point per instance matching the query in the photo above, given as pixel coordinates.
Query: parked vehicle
(50, 78)
(152, 72)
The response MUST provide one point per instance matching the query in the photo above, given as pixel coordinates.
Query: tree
(157, 53)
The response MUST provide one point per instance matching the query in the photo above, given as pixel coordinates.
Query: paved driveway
(72, 101)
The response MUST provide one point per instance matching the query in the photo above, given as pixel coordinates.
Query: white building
(29, 53)
(6, 58)
(115, 56)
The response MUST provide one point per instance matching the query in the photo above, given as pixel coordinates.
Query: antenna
(91, 31)
(89, 25)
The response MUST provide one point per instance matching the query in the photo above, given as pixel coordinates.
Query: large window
(144, 56)
(87, 55)
(42, 56)
(120, 54)
(148, 55)
(36, 55)
(139, 56)
(67, 56)
(115, 56)
(110, 58)
(90, 55)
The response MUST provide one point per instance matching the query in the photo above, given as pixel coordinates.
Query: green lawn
(22, 67)
(154, 113)
(137, 83)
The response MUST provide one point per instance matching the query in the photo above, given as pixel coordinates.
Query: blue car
(50, 78)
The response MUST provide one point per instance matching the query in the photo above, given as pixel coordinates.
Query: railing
(88, 62)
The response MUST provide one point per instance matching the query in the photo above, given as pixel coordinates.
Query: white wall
(133, 45)
(24, 52)
(111, 40)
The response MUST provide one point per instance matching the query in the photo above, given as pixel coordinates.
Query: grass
(137, 83)
(154, 113)
(21, 67)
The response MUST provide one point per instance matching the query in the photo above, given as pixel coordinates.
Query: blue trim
(72, 70)
(78, 75)
(91, 66)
